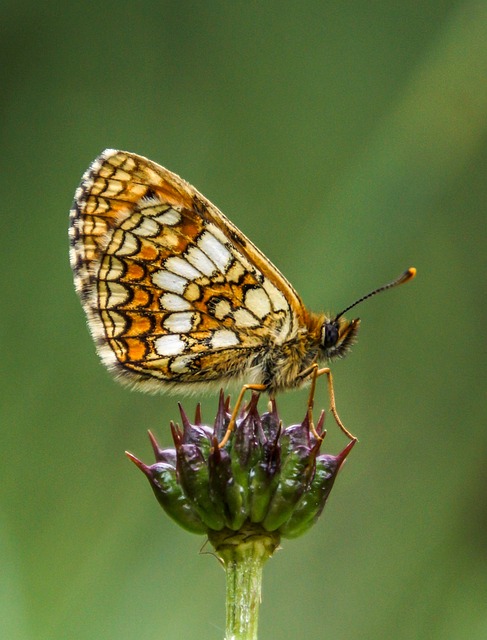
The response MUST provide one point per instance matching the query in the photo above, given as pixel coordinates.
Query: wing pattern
(173, 291)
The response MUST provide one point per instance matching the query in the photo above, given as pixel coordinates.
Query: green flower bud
(169, 493)
(265, 480)
(265, 470)
(194, 476)
(312, 502)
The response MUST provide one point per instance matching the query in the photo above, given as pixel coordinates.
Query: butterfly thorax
(280, 366)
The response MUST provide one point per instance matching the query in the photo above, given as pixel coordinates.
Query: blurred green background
(349, 141)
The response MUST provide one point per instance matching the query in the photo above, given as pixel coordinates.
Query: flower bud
(266, 479)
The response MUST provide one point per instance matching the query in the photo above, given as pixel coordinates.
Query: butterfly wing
(173, 291)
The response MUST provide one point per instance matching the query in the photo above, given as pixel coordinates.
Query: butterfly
(177, 297)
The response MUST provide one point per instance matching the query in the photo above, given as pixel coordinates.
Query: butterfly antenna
(404, 277)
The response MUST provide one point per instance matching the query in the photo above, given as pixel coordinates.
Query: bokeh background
(349, 141)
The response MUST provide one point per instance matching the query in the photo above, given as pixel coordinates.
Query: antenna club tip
(408, 275)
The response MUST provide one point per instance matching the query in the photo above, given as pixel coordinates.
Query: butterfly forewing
(173, 291)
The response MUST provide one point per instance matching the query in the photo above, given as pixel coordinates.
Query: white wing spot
(279, 302)
(169, 218)
(181, 267)
(113, 322)
(180, 364)
(218, 233)
(172, 302)
(257, 301)
(200, 261)
(94, 226)
(244, 318)
(170, 345)
(223, 338)
(152, 206)
(215, 250)
(179, 322)
(168, 281)
(124, 244)
(222, 309)
(108, 188)
(112, 294)
(111, 268)
(147, 228)
(235, 272)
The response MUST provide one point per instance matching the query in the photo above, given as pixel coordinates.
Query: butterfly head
(338, 334)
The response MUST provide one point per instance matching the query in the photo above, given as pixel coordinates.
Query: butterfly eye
(330, 335)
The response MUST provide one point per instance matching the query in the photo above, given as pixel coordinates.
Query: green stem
(243, 554)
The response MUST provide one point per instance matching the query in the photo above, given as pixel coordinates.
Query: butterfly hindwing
(173, 290)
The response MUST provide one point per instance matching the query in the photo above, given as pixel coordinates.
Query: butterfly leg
(314, 371)
(333, 409)
(236, 408)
